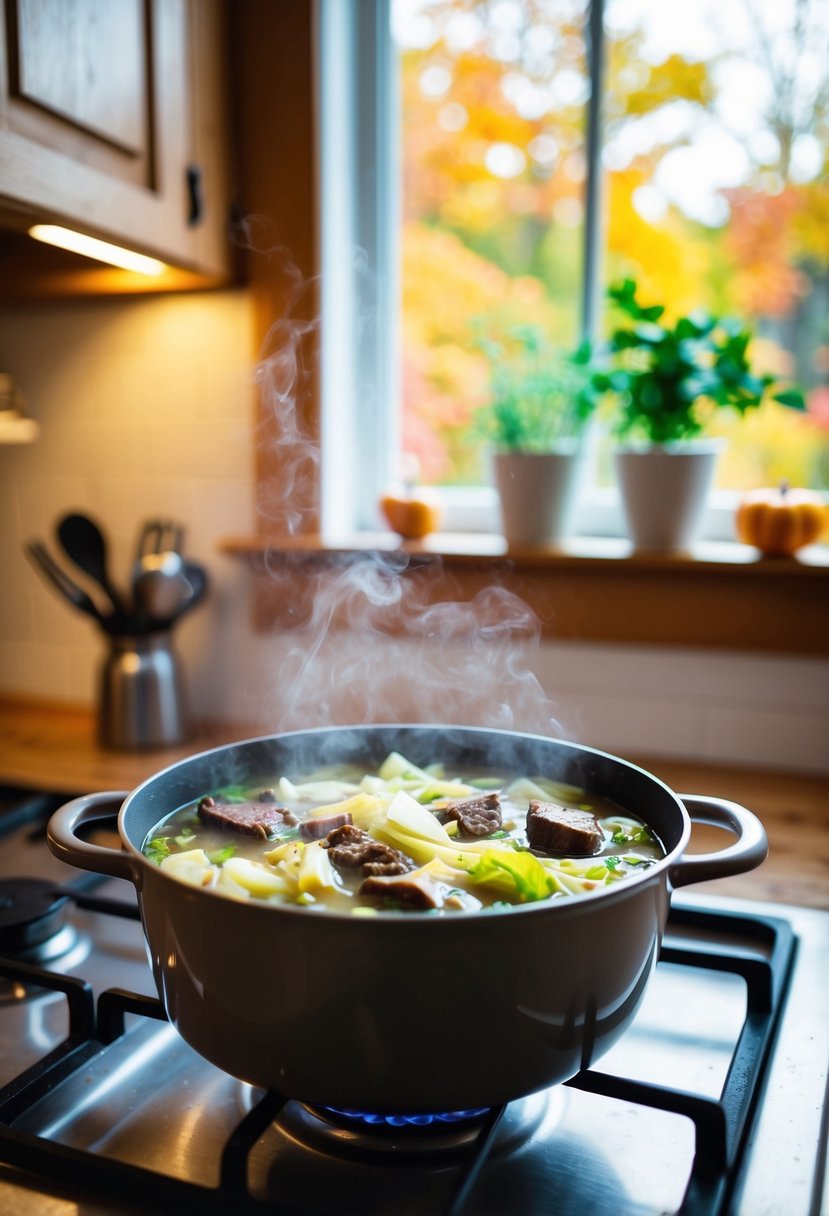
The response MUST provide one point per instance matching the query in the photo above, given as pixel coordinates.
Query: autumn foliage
(493, 107)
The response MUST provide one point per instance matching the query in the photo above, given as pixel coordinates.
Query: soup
(401, 838)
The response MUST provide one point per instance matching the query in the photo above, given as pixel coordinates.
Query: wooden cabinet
(112, 121)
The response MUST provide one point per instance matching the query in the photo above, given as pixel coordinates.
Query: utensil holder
(142, 696)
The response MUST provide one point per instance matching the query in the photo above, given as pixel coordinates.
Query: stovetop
(714, 1101)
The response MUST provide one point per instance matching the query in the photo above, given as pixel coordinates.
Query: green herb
(633, 860)
(185, 836)
(632, 836)
(611, 862)
(232, 793)
(664, 379)
(538, 394)
(500, 835)
(158, 849)
(217, 857)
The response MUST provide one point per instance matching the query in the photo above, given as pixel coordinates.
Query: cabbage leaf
(522, 871)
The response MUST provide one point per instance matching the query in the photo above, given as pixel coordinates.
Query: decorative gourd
(779, 522)
(411, 515)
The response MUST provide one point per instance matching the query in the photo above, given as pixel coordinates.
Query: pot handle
(63, 840)
(747, 852)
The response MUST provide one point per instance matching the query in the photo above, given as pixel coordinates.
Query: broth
(401, 838)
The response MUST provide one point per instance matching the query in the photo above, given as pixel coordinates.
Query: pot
(404, 1012)
(537, 493)
(663, 490)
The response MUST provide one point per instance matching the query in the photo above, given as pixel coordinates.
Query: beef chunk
(476, 816)
(249, 818)
(420, 892)
(560, 829)
(316, 828)
(351, 848)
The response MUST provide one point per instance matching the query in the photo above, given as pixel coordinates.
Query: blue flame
(372, 1120)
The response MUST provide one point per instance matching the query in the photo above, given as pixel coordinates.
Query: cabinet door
(107, 122)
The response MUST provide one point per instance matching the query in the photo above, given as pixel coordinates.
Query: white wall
(145, 409)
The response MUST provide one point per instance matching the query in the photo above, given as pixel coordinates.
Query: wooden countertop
(54, 748)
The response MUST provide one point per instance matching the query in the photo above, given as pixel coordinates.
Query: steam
(377, 636)
(366, 644)
(284, 379)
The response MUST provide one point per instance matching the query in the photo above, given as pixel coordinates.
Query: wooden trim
(747, 603)
(273, 71)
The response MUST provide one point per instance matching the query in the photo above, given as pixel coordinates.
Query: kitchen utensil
(162, 593)
(142, 699)
(84, 543)
(59, 579)
(199, 584)
(158, 536)
(159, 584)
(401, 1011)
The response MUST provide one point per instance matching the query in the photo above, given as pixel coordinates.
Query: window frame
(358, 217)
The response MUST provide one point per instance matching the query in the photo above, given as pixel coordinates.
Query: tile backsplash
(145, 408)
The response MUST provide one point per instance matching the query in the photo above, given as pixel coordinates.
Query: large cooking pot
(404, 1012)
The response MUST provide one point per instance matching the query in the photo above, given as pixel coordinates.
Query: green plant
(666, 380)
(537, 393)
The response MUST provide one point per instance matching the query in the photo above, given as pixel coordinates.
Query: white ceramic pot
(663, 490)
(537, 492)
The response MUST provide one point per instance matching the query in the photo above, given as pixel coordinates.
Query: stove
(713, 1102)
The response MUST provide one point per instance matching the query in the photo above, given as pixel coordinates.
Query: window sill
(590, 589)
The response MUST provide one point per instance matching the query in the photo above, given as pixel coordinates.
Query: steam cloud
(372, 646)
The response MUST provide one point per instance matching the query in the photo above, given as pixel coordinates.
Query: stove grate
(721, 1126)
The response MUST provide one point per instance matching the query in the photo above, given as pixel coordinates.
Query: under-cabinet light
(102, 251)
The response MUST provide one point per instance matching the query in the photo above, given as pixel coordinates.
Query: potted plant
(665, 381)
(540, 401)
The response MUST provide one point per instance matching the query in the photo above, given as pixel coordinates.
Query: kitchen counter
(54, 748)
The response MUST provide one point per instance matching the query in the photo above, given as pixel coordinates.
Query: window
(483, 193)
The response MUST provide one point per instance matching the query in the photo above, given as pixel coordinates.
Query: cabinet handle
(195, 213)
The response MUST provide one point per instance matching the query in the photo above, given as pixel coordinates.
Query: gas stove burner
(31, 912)
(33, 930)
(410, 1137)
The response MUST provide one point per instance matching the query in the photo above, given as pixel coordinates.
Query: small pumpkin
(411, 515)
(779, 522)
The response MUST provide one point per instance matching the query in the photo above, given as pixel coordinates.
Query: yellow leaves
(810, 223)
(667, 265)
(766, 446)
(676, 78)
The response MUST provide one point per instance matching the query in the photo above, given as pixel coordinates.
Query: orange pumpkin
(779, 522)
(411, 516)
